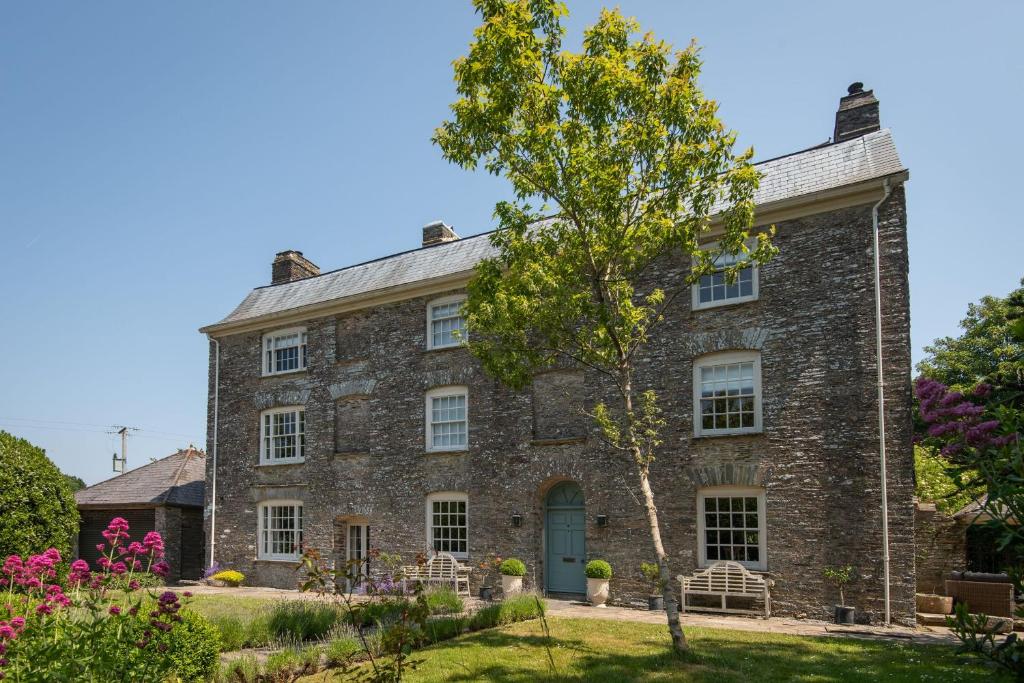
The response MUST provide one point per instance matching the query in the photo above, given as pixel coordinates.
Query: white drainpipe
(213, 484)
(881, 400)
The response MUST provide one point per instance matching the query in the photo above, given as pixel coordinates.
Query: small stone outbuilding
(165, 495)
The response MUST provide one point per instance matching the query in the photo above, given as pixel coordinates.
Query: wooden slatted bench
(441, 569)
(726, 580)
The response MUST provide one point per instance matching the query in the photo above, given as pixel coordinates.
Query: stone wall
(817, 457)
(941, 547)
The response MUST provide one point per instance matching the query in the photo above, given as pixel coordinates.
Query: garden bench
(727, 580)
(442, 569)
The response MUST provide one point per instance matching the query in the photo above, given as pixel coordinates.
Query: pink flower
(18, 622)
(136, 548)
(119, 568)
(154, 543)
(6, 632)
(115, 610)
(100, 547)
(161, 568)
(134, 585)
(44, 609)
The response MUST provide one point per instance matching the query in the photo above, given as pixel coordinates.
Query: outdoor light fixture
(517, 519)
(602, 520)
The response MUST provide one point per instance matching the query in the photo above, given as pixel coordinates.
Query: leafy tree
(990, 350)
(76, 483)
(38, 506)
(935, 482)
(620, 140)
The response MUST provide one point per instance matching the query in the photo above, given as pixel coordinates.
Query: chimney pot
(858, 114)
(438, 232)
(291, 265)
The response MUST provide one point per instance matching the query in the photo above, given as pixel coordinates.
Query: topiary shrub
(512, 567)
(38, 506)
(230, 577)
(598, 569)
(194, 647)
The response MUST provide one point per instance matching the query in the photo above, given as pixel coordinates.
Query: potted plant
(489, 564)
(598, 573)
(841, 576)
(512, 572)
(656, 598)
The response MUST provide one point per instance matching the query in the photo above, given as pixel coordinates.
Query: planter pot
(928, 603)
(655, 603)
(486, 593)
(511, 585)
(216, 583)
(844, 614)
(597, 592)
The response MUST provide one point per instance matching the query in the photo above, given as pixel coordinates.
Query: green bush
(512, 567)
(508, 611)
(194, 647)
(445, 628)
(38, 506)
(342, 649)
(300, 620)
(444, 600)
(233, 632)
(382, 612)
(598, 569)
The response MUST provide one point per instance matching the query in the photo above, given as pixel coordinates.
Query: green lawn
(592, 650)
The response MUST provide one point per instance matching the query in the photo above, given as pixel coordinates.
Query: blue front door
(565, 537)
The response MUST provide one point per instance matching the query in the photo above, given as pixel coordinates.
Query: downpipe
(881, 399)
(213, 484)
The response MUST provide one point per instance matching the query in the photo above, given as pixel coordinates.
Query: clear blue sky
(155, 156)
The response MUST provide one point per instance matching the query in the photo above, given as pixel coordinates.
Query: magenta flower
(115, 610)
(6, 632)
(100, 547)
(18, 622)
(44, 609)
(119, 568)
(161, 569)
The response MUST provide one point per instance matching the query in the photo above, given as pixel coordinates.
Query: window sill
(723, 304)
(290, 373)
(453, 347)
(447, 451)
(753, 570)
(280, 463)
(278, 560)
(725, 435)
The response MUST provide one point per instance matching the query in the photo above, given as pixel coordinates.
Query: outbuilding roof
(811, 171)
(175, 480)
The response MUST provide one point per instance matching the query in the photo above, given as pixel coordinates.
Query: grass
(242, 622)
(300, 620)
(593, 650)
(444, 600)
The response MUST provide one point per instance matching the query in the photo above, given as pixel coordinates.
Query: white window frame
(725, 358)
(300, 436)
(734, 492)
(264, 544)
(444, 301)
(266, 360)
(428, 428)
(754, 275)
(446, 496)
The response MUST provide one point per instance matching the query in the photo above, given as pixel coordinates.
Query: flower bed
(81, 628)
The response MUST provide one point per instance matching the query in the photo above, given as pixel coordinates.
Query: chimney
(438, 232)
(857, 115)
(290, 266)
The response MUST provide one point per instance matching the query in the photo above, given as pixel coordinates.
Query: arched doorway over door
(565, 539)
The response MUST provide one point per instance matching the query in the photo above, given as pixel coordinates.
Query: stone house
(344, 414)
(165, 495)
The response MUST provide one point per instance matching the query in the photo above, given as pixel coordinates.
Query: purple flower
(161, 568)
(115, 610)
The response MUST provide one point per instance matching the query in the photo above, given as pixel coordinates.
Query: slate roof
(178, 479)
(817, 169)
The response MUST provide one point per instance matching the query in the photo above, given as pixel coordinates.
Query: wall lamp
(517, 519)
(602, 520)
